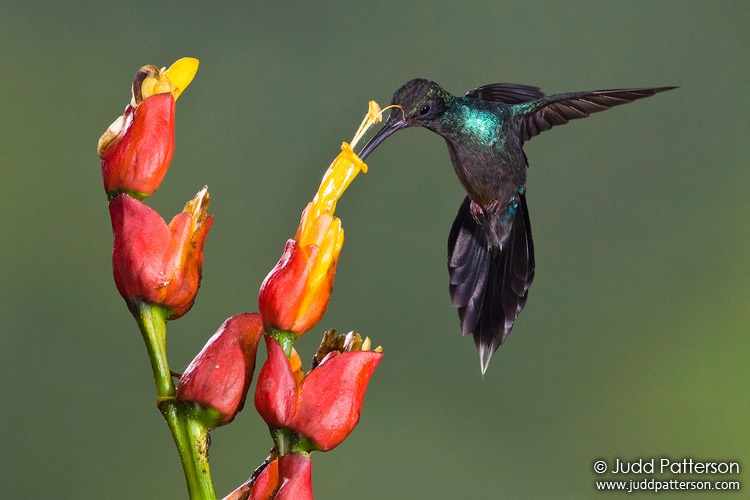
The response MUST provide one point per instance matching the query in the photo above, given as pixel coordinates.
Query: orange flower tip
(151, 80)
(181, 73)
(112, 132)
(198, 206)
(366, 344)
(353, 342)
(350, 342)
(374, 115)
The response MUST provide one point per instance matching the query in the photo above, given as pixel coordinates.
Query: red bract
(295, 294)
(286, 478)
(324, 406)
(137, 148)
(138, 154)
(276, 392)
(156, 263)
(221, 373)
(285, 286)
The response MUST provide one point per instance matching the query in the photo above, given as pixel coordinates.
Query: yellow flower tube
(311, 258)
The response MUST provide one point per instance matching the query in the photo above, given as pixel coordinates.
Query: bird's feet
(476, 211)
(479, 214)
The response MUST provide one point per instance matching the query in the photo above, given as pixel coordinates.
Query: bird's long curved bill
(391, 127)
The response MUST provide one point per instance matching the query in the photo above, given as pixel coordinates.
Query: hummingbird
(490, 249)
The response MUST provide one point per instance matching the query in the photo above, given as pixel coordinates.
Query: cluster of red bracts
(307, 412)
(156, 264)
(320, 408)
(153, 263)
(279, 478)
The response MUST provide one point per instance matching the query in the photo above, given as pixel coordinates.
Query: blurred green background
(634, 342)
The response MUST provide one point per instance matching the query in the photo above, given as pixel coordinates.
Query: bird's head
(417, 103)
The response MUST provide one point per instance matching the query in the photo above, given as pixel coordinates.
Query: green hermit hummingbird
(490, 250)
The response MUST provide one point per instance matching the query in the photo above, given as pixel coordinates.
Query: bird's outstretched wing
(537, 116)
(489, 286)
(508, 93)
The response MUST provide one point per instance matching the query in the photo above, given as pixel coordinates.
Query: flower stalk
(157, 269)
(190, 436)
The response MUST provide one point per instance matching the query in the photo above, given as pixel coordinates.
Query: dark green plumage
(490, 249)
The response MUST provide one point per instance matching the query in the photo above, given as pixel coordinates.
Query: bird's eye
(424, 110)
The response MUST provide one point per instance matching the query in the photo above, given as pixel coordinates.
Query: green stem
(285, 338)
(199, 438)
(190, 436)
(282, 439)
(152, 320)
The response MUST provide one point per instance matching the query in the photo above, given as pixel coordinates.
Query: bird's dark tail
(489, 286)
